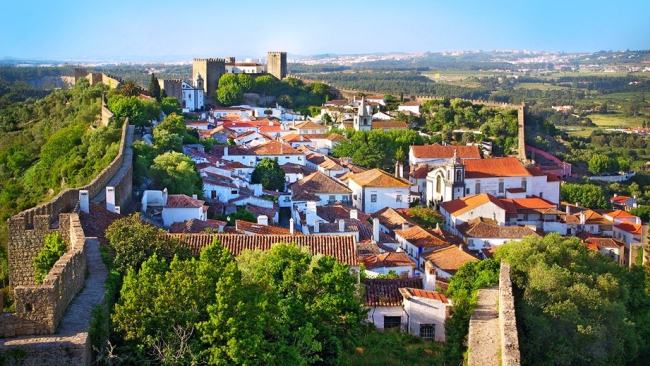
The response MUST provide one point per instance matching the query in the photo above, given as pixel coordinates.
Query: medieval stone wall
(39, 308)
(510, 355)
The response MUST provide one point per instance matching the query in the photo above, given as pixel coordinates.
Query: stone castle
(210, 70)
(276, 64)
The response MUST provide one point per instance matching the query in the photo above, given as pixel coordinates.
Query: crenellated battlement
(210, 59)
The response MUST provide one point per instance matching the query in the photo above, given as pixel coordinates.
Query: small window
(392, 322)
(332, 198)
(477, 188)
(373, 198)
(501, 186)
(398, 198)
(466, 190)
(234, 191)
(427, 331)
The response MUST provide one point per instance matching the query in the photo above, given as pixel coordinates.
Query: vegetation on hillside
(575, 306)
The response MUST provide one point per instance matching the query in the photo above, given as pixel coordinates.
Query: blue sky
(174, 30)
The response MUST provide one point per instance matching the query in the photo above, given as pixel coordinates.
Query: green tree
(162, 304)
(53, 248)
(154, 87)
(587, 195)
(599, 164)
(170, 105)
(133, 241)
(269, 174)
(176, 172)
(574, 304)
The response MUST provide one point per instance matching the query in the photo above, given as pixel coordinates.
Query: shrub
(52, 250)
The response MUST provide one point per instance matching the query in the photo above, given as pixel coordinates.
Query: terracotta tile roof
(437, 151)
(621, 200)
(390, 124)
(482, 229)
(385, 292)
(408, 292)
(291, 168)
(450, 259)
(419, 172)
(196, 226)
(620, 214)
(594, 218)
(635, 229)
(495, 167)
(183, 201)
(388, 259)
(391, 218)
(421, 238)
(294, 137)
(410, 103)
(331, 213)
(256, 229)
(257, 210)
(340, 247)
(97, 220)
(317, 182)
(529, 203)
(378, 178)
(275, 147)
(595, 243)
(309, 125)
(460, 206)
(330, 164)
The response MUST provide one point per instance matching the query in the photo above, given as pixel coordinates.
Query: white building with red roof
(375, 189)
(499, 177)
(180, 208)
(436, 154)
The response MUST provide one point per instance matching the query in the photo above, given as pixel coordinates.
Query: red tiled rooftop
(437, 151)
(495, 167)
(408, 292)
(183, 201)
(385, 292)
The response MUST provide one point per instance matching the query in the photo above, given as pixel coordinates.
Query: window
(332, 198)
(373, 198)
(466, 190)
(398, 198)
(234, 191)
(213, 194)
(392, 322)
(501, 186)
(477, 188)
(458, 176)
(427, 331)
(523, 183)
(439, 184)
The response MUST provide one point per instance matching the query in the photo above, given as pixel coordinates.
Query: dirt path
(483, 342)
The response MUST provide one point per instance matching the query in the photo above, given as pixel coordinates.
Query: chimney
(164, 197)
(401, 170)
(341, 225)
(405, 225)
(84, 201)
(117, 210)
(263, 220)
(375, 230)
(567, 209)
(582, 218)
(291, 226)
(429, 282)
(110, 199)
(316, 227)
(310, 214)
(397, 174)
(615, 195)
(354, 214)
(194, 196)
(225, 151)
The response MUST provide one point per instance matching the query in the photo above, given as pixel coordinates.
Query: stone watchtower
(276, 64)
(210, 69)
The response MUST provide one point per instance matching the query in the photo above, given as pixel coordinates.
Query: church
(505, 177)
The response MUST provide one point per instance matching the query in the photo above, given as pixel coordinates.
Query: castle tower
(276, 64)
(211, 70)
(521, 129)
(363, 119)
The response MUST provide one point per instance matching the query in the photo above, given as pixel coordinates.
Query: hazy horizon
(73, 30)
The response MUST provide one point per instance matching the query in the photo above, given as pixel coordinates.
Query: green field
(616, 120)
(541, 86)
(577, 131)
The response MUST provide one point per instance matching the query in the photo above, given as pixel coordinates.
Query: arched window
(439, 184)
(458, 176)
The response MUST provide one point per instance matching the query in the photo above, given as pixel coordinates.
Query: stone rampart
(510, 355)
(39, 308)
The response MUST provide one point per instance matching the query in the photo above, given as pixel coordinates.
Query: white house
(411, 107)
(427, 312)
(384, 263)
(384, 301)
(180, 208)
(480, 234)
(436, 155)
(192, 95)
(251, 139)
(375, 189)
(495, 176)
(446, 261)
(219, 188)
(281, 152)
(318, 187)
